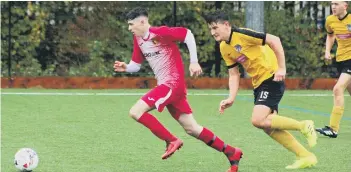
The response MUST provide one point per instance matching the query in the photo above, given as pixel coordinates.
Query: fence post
(10, 48)
(254, 15)
(175, 13)
(217, 53)
(254, 18)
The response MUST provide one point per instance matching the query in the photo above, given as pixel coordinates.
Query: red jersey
(160, 49)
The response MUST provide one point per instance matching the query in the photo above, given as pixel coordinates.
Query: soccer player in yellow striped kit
(338, 27)
(262, 56)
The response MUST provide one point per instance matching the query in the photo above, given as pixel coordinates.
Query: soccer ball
(26, 159)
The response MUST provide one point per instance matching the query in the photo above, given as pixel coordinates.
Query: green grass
(93, 133)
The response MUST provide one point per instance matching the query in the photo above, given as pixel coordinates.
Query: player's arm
(233, 82)
(123, 67)
(194, 67)
(234, 79)
(185, 35)
(134, 65)
(189, 40)
(277, 47)
(328, 45)
(329, 42)
(257, 38)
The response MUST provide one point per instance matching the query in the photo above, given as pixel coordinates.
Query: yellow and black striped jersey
(341, 28)
(248, 48)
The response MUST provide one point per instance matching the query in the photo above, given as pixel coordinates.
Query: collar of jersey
(147, 35)
(344, 17)
(231, 34)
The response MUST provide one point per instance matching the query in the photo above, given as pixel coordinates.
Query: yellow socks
(335, 117)
(289, 142)
(284, 123)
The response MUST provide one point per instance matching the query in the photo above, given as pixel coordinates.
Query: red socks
(206, 135)
(210, 139)
(215, 142)
(156, 127)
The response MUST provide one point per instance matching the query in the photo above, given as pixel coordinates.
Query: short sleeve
(327, 26)
(173, 33)
(230, 63)
(252, 37)
(137, 55)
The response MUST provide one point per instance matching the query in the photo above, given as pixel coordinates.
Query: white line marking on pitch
(140, 94)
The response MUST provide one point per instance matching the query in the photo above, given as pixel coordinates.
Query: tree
(27, 31)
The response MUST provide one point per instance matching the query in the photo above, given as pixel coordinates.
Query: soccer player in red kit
(157, 45)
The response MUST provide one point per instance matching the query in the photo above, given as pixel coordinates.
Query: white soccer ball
(26, 159)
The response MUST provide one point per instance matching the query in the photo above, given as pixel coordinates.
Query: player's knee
(193, 130)
(189, 130)
(257, 122)
(138, 110)
(135, 113)
(338, 90)
(132, 113)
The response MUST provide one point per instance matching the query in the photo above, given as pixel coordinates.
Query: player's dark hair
(216, 17)
(136, 12)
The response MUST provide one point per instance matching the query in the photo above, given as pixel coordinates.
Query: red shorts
(163, 96)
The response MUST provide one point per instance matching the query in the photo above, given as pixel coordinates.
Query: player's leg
(140, 112)
(338, 108)
(262, 118)
(191, 127)
(305, 159)
(267, 98)
(344, 82)
(158, 98)
(181, 111)
(349, 89)
(285, 123)
(283, 137)
(339, 101)
(347, 70)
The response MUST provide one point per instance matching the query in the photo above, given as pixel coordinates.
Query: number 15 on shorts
(263, 96)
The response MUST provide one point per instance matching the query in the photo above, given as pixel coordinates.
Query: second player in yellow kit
(338, 27)
(262, 56)
(341, 29)
(259, 61)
